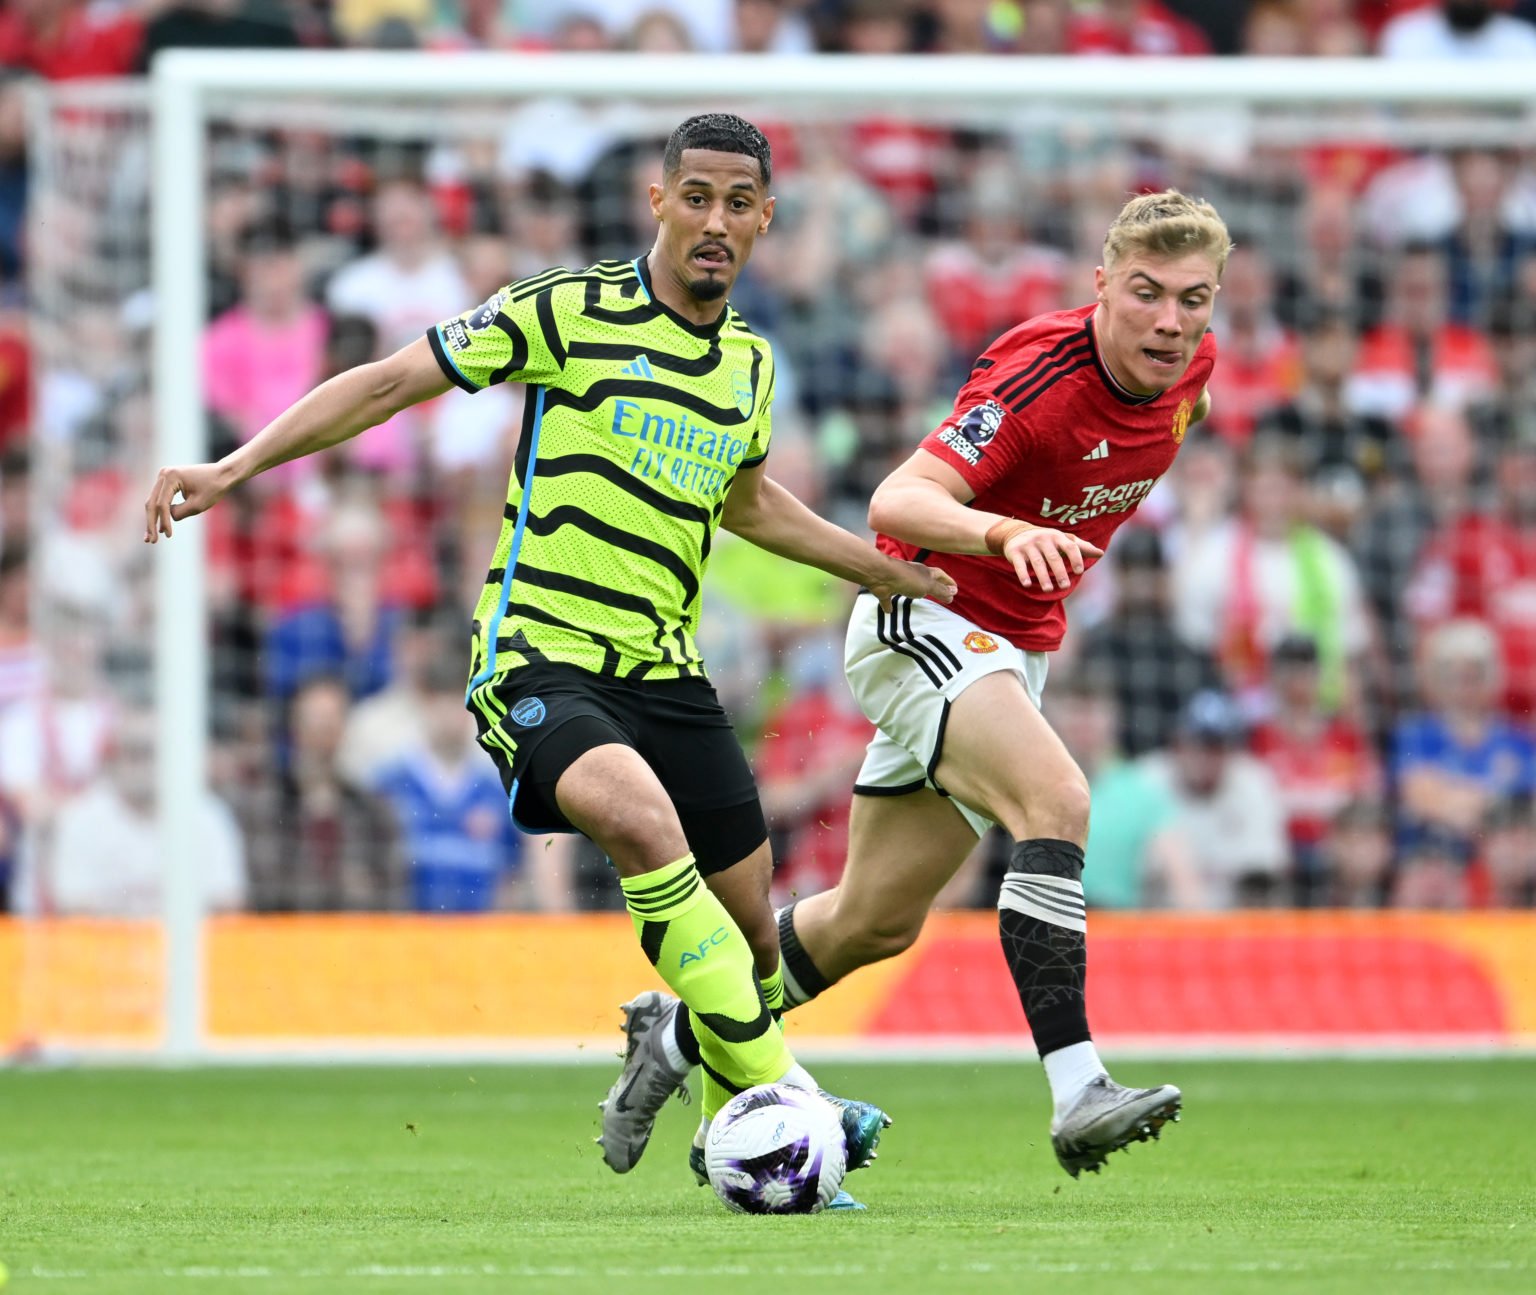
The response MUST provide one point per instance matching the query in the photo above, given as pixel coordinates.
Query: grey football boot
(1107, 1117)
(645, 1083)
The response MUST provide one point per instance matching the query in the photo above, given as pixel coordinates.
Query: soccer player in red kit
(1065, 425)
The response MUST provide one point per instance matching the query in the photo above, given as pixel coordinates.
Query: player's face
(711, 210)
(1153, 311)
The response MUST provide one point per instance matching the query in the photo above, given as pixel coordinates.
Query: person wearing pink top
(262, 354)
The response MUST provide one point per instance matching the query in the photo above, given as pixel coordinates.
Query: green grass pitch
(1366, 1177)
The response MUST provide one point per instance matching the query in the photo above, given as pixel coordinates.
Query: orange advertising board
(518, 980)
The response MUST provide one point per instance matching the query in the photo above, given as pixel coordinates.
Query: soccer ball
(775, 1149)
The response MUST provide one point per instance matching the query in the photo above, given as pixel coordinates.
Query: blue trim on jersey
(517, 543)
(448, 355)
(639, 274)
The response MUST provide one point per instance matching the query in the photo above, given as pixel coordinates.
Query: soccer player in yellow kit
(648, 424)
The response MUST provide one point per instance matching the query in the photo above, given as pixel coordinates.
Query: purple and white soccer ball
(775, 1149)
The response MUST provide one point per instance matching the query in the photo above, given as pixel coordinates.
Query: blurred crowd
(76, 38)
(1304, 676)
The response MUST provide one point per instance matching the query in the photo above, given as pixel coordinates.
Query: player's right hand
(201, 486)
(1048, 559)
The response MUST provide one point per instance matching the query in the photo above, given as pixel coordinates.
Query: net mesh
(1372, 408)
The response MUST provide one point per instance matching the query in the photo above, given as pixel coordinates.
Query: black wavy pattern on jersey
(519, 360)
(604, 388)
(625, 351)
(518, 642)
(612, 473)
(1009, 385)
(1046, 381)
(558, 582)
(560, 276)
(545, 308)
(570, 515)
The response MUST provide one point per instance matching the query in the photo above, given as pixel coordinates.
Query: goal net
(249, 815)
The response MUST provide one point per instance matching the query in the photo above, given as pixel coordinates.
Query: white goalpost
(191, 89)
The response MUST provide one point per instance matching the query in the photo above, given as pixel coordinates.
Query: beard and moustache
(1467, 16)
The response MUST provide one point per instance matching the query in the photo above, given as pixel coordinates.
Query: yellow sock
(700, 952)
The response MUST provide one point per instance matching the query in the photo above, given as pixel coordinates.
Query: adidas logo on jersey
(1099, 451)
(639, 367)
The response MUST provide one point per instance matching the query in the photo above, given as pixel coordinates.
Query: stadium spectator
(1136, 652)
(316, 843)
(1409, 507)
(1146, 27)
(462, 853)
(13, 189)
(1458, 29)
(1330, 269)
(982, 283)
(709, 23)
(15, 498)
(22, 669)
(1227, 808)
(812, 746)
(1321, 759)
(1509, 853)
(873, 27)
(1356, 858)
(80, 878)
(1493, 236)
(656, 31)
(949, 27)
(1452, 762)
(1259, 360)
(382, 727)
(68, 39)
(54, 739)
(1417, 353)
(1483, 565)
(1512, 329)
(264, 352)
(349, 632)
(411, 280)
(770, 27)
(217, 24)
(1272, 573)
(1132, 836)
(1346, 454)
(1431, 874)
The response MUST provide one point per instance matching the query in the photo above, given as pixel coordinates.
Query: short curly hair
(722, 131)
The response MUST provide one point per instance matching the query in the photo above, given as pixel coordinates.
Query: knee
(1059, 811)
(638, 838)
(877, 936)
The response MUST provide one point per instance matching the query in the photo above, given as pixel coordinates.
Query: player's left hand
(914, 580)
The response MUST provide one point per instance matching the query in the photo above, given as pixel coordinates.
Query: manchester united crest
(979, 643)
(1181, 421)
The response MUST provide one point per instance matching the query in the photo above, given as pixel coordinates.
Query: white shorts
(905, 669)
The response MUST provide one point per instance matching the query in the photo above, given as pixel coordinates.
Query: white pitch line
(199, 1272)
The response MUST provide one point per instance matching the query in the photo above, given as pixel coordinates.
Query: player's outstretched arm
(335, 411)
(759, 509)
(926, 502)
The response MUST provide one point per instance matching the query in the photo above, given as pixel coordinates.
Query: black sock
(802, 981)
(1043, 924)
(687, 1040)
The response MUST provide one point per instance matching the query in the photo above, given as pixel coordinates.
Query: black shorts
(550, 715)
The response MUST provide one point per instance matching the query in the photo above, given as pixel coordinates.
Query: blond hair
(1167, 224)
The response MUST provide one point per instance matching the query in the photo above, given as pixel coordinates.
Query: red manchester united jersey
(1041, 432)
